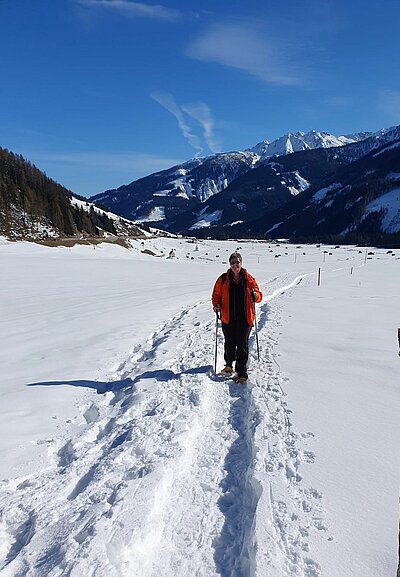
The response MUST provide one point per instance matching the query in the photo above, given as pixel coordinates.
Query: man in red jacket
(233, 297)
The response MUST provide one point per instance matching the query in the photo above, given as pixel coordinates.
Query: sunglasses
(234, 262)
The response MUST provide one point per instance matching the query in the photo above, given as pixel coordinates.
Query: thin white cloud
(167, 101)
(201, 112)
(389, 102)
(134, 9)
(246, 47)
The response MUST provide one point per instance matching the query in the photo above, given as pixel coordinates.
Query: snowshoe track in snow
(173, 469)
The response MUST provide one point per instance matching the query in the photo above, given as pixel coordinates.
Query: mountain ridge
(297, 141)
(354, 187)
(360, 199)
(188, 186)
(251, 189)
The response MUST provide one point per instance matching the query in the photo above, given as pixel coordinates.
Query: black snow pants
(236, 335)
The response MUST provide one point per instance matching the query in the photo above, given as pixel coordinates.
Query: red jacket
(220, 295)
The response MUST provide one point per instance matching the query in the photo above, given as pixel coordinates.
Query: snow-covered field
(122, 455)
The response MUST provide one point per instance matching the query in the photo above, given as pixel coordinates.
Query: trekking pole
(216, 341)
(255, 326)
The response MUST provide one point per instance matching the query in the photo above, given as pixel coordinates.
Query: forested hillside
(32, 205)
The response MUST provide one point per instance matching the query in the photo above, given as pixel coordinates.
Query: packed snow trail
(171, 472)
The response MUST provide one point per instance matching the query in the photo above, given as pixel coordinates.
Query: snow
(87, 206)
(122, 454)
(389, 147)
(157, 213)
(207, 219)
(274, 227)
(183, 187)
(162, 193)
(323, 192)
(294, 142)
(303, 183)
(390, 203)
(393, 176)
(119, 221)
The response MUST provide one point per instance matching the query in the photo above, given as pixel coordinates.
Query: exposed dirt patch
(69, 242)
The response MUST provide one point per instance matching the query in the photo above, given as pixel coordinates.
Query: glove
(253, 295)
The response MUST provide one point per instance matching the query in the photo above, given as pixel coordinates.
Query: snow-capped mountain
(158, 198)
(252, 199)
(239, 193)
(295, 142)
(161, 197)
(359, 200)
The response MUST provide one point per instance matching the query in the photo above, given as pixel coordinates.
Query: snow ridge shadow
(22, 535)
(234, 548)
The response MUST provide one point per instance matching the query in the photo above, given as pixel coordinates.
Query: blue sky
(98, 93)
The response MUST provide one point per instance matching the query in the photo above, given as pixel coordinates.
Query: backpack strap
(223, 277)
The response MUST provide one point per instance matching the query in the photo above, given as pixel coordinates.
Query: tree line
(30, 201)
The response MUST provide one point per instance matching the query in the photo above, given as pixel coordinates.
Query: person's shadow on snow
(103, 387)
